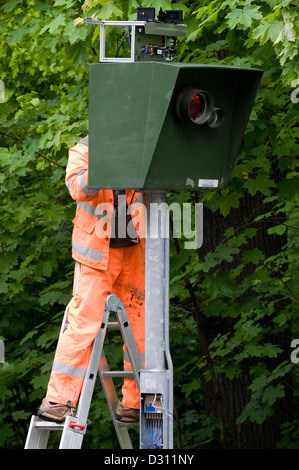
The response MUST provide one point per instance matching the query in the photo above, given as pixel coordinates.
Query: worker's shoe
(126, 415)
(55, 411)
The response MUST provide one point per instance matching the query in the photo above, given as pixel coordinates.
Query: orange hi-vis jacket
(92, 223)
(101, 268)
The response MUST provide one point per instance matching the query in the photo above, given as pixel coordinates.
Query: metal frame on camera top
(103, 25)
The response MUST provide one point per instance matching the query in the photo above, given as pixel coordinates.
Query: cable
(155, 433)
(127, 33)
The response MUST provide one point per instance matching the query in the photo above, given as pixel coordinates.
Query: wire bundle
(155, 431)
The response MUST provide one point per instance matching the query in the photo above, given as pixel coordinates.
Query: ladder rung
(49, 425)
(126, 424)
(117, 373)
(112, 324)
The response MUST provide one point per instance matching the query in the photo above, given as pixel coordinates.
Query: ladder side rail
(116, 305)
(91, 375)
(75, 428)
(36, 438)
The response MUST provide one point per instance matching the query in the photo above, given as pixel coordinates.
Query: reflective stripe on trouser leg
(72, 379)
(69, 367)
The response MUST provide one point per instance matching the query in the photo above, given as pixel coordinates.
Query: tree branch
(50, 160)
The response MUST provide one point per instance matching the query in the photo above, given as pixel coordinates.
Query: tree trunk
(234, 394)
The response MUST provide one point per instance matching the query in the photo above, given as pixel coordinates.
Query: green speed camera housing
(138, 140)
(158, 125)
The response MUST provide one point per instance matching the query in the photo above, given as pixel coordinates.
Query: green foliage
(44, 67)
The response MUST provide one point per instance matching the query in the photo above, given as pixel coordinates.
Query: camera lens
(194, 105)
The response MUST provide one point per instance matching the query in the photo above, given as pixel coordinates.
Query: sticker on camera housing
(208, 183)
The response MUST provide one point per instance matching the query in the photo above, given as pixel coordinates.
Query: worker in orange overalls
(106, 262)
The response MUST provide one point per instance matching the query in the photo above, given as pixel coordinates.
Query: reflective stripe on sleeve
(91, 210)
(87, 252)
(68, 184)
(85, 189)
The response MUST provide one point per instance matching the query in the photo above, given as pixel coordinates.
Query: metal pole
(156, 382)
(155, 281)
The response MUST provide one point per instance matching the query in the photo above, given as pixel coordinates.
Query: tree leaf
(55, 24)
(252, 256)
(261, 182)
(219, 285)
(243, 16)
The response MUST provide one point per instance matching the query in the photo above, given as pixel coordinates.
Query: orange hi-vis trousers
(125, 278)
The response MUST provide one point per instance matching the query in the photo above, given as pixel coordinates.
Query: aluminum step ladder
(74, 427)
